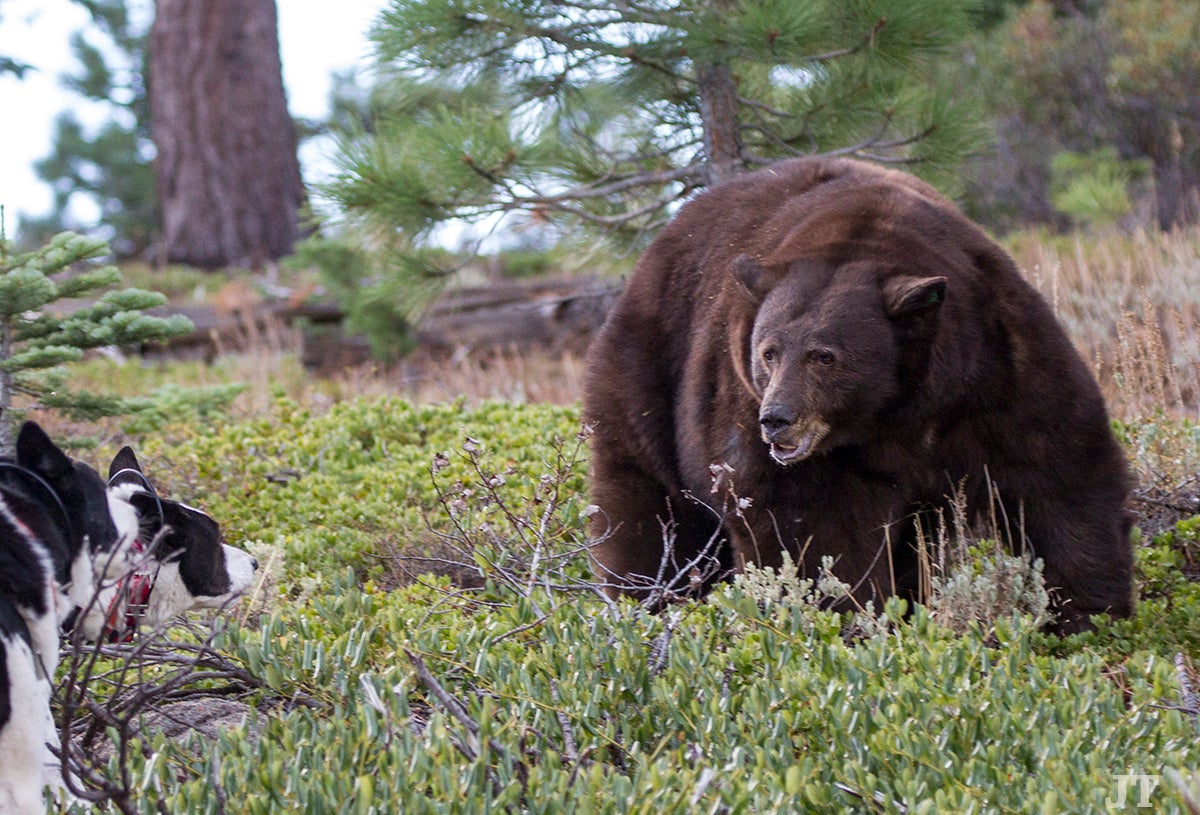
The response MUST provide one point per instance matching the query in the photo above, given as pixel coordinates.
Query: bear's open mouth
(799, 445)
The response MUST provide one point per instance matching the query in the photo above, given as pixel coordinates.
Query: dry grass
(1131, 303)
(507, 375)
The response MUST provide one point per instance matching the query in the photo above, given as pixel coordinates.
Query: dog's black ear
(150, 513)
(124, 460)
(146, 505)
(37, 452)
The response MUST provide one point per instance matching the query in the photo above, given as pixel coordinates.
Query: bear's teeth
(804, 447)
(786, 455)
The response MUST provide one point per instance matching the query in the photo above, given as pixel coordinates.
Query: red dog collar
(134, 590)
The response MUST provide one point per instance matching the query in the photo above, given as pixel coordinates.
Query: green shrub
(528, 692)
(355, 487)
(1093, 188)
(992, 586)
(423, 703)
(1166, 619)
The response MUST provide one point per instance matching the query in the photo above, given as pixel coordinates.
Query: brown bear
(846, 351)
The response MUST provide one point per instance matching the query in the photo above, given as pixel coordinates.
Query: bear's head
(832, 349)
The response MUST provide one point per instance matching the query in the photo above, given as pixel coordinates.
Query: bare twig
(454, 707)
(214, 778)
(570, 746)
(877, 799)
(660, 648)
(1185, 785)
(471, 748)
(108, 690)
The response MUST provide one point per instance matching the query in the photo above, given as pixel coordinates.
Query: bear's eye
(769, 355)
(822, 356)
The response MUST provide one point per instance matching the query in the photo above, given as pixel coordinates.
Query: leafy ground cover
(506, 683)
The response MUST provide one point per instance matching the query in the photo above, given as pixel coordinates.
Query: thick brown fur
(855, 350)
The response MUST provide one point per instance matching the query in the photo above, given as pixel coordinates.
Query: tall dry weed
(1145, 376)
(506, 375)
(1131, 303)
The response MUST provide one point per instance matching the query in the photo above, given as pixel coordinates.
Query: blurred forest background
(504, 161)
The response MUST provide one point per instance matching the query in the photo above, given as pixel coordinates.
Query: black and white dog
(110, 556)
(182, 562)
(59, 536)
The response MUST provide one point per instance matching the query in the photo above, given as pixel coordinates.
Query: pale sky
(316, 37)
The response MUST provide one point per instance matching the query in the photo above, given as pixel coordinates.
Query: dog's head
(61, 507)
(183, 563)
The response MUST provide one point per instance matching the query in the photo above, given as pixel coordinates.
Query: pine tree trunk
(227, 173)
(719, 114)
(1170, 187)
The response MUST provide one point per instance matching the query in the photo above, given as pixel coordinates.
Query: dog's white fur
(170, 596)
(23, 741)
(27, 739)
(122, 558)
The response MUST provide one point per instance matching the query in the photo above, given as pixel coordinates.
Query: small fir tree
(39, 333)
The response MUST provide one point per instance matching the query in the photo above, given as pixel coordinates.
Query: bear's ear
(904, 295)
(752, 278)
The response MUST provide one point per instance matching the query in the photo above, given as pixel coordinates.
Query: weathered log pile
(555, 316)
(545, 316)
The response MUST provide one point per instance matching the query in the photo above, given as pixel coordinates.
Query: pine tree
(228, 175)
(8, 65)
(37, 339)
(606, 113)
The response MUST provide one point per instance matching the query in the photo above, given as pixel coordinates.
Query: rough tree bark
(718, 92)
(719, 113)
(1165, 147)
(227, 172)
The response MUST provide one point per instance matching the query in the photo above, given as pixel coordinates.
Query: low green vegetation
(1093, 188)
(426, 638)
(355, 487)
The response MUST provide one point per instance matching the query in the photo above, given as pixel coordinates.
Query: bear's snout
(791, 437)
(774, 420)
